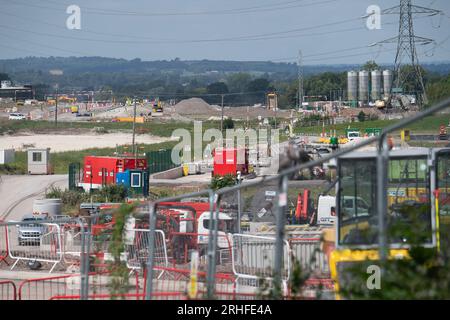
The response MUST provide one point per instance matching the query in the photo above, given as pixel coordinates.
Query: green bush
(228, 123)
(361, 116)
(71, 199)
(219, 182)
(113, 193)
(11, 169)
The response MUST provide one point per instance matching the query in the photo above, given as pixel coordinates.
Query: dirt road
(19, 192)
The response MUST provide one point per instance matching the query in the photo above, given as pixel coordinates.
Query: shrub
(361, 116)
(219, 182)
(228, 123)
(113, 193)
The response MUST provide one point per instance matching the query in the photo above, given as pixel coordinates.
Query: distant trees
(178, 79)
(370, 66)
(4, 76)
(438, 89)
(228, 123)
(238, 82)
(217, 89)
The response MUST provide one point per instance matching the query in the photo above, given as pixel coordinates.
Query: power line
(20, 49)
(108, 12)
(257, 37)
(42, 45)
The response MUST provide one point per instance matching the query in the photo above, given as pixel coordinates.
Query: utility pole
(221, 119)
(406, 46)
(56, 107)
(134, 134)
(300, 79)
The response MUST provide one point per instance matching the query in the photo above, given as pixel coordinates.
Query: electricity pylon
(406, 47)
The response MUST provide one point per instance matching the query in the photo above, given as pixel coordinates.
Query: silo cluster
(364, 85)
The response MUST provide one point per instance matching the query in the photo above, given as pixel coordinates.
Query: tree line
(236, 88)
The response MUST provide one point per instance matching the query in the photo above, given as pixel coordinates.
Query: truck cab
(353, 134)
(224, 228)
(326, 210)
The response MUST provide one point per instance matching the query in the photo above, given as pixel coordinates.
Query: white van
(326, 209)
(17, 116)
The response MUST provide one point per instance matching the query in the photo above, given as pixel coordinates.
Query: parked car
(30, 234)
(17, 116)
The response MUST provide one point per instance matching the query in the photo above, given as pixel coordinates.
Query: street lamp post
(134, 134)
(56, 106)
(56, 72)
(221, 119)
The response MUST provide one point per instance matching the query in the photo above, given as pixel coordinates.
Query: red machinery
(230, 161)
(99, 171)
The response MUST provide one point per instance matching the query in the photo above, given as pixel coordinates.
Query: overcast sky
(325, 30)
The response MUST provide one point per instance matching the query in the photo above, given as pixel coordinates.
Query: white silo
(352, 86)
(376, 85)
(363, 90)
(388, 76)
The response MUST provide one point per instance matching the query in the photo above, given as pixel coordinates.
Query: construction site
(225, 195)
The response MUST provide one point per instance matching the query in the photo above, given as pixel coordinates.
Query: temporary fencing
(137, 248)
(179, 284)
(69, 287)
(36, 242)
(71, 244)
(307, 252)
(3, 243)
(181, 245)
(8, 290)
(253, 261)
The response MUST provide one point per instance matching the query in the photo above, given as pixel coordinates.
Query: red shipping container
(230, 161)
(101, 170)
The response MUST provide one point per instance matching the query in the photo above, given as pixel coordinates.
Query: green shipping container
(160, 160)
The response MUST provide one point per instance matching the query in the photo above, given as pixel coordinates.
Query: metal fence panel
(253, 257)
(40, 242)
(308, 253)
(56, 287)
(137, 245)
(175, 285)
(3, 243)
(8, 290)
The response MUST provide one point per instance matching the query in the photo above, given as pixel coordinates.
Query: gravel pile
(195, 106)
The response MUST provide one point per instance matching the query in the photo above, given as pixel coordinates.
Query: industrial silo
(363, 85)
(376, 85)
(387, 82)
(352, 86)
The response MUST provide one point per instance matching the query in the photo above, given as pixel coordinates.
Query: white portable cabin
(39, 161)
(6, 156)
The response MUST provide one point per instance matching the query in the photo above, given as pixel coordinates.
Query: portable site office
(39, 161)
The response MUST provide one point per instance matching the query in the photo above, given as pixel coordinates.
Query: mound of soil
(195, 106)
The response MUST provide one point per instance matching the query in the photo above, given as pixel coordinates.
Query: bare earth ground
(19, 192)
(58, 143)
